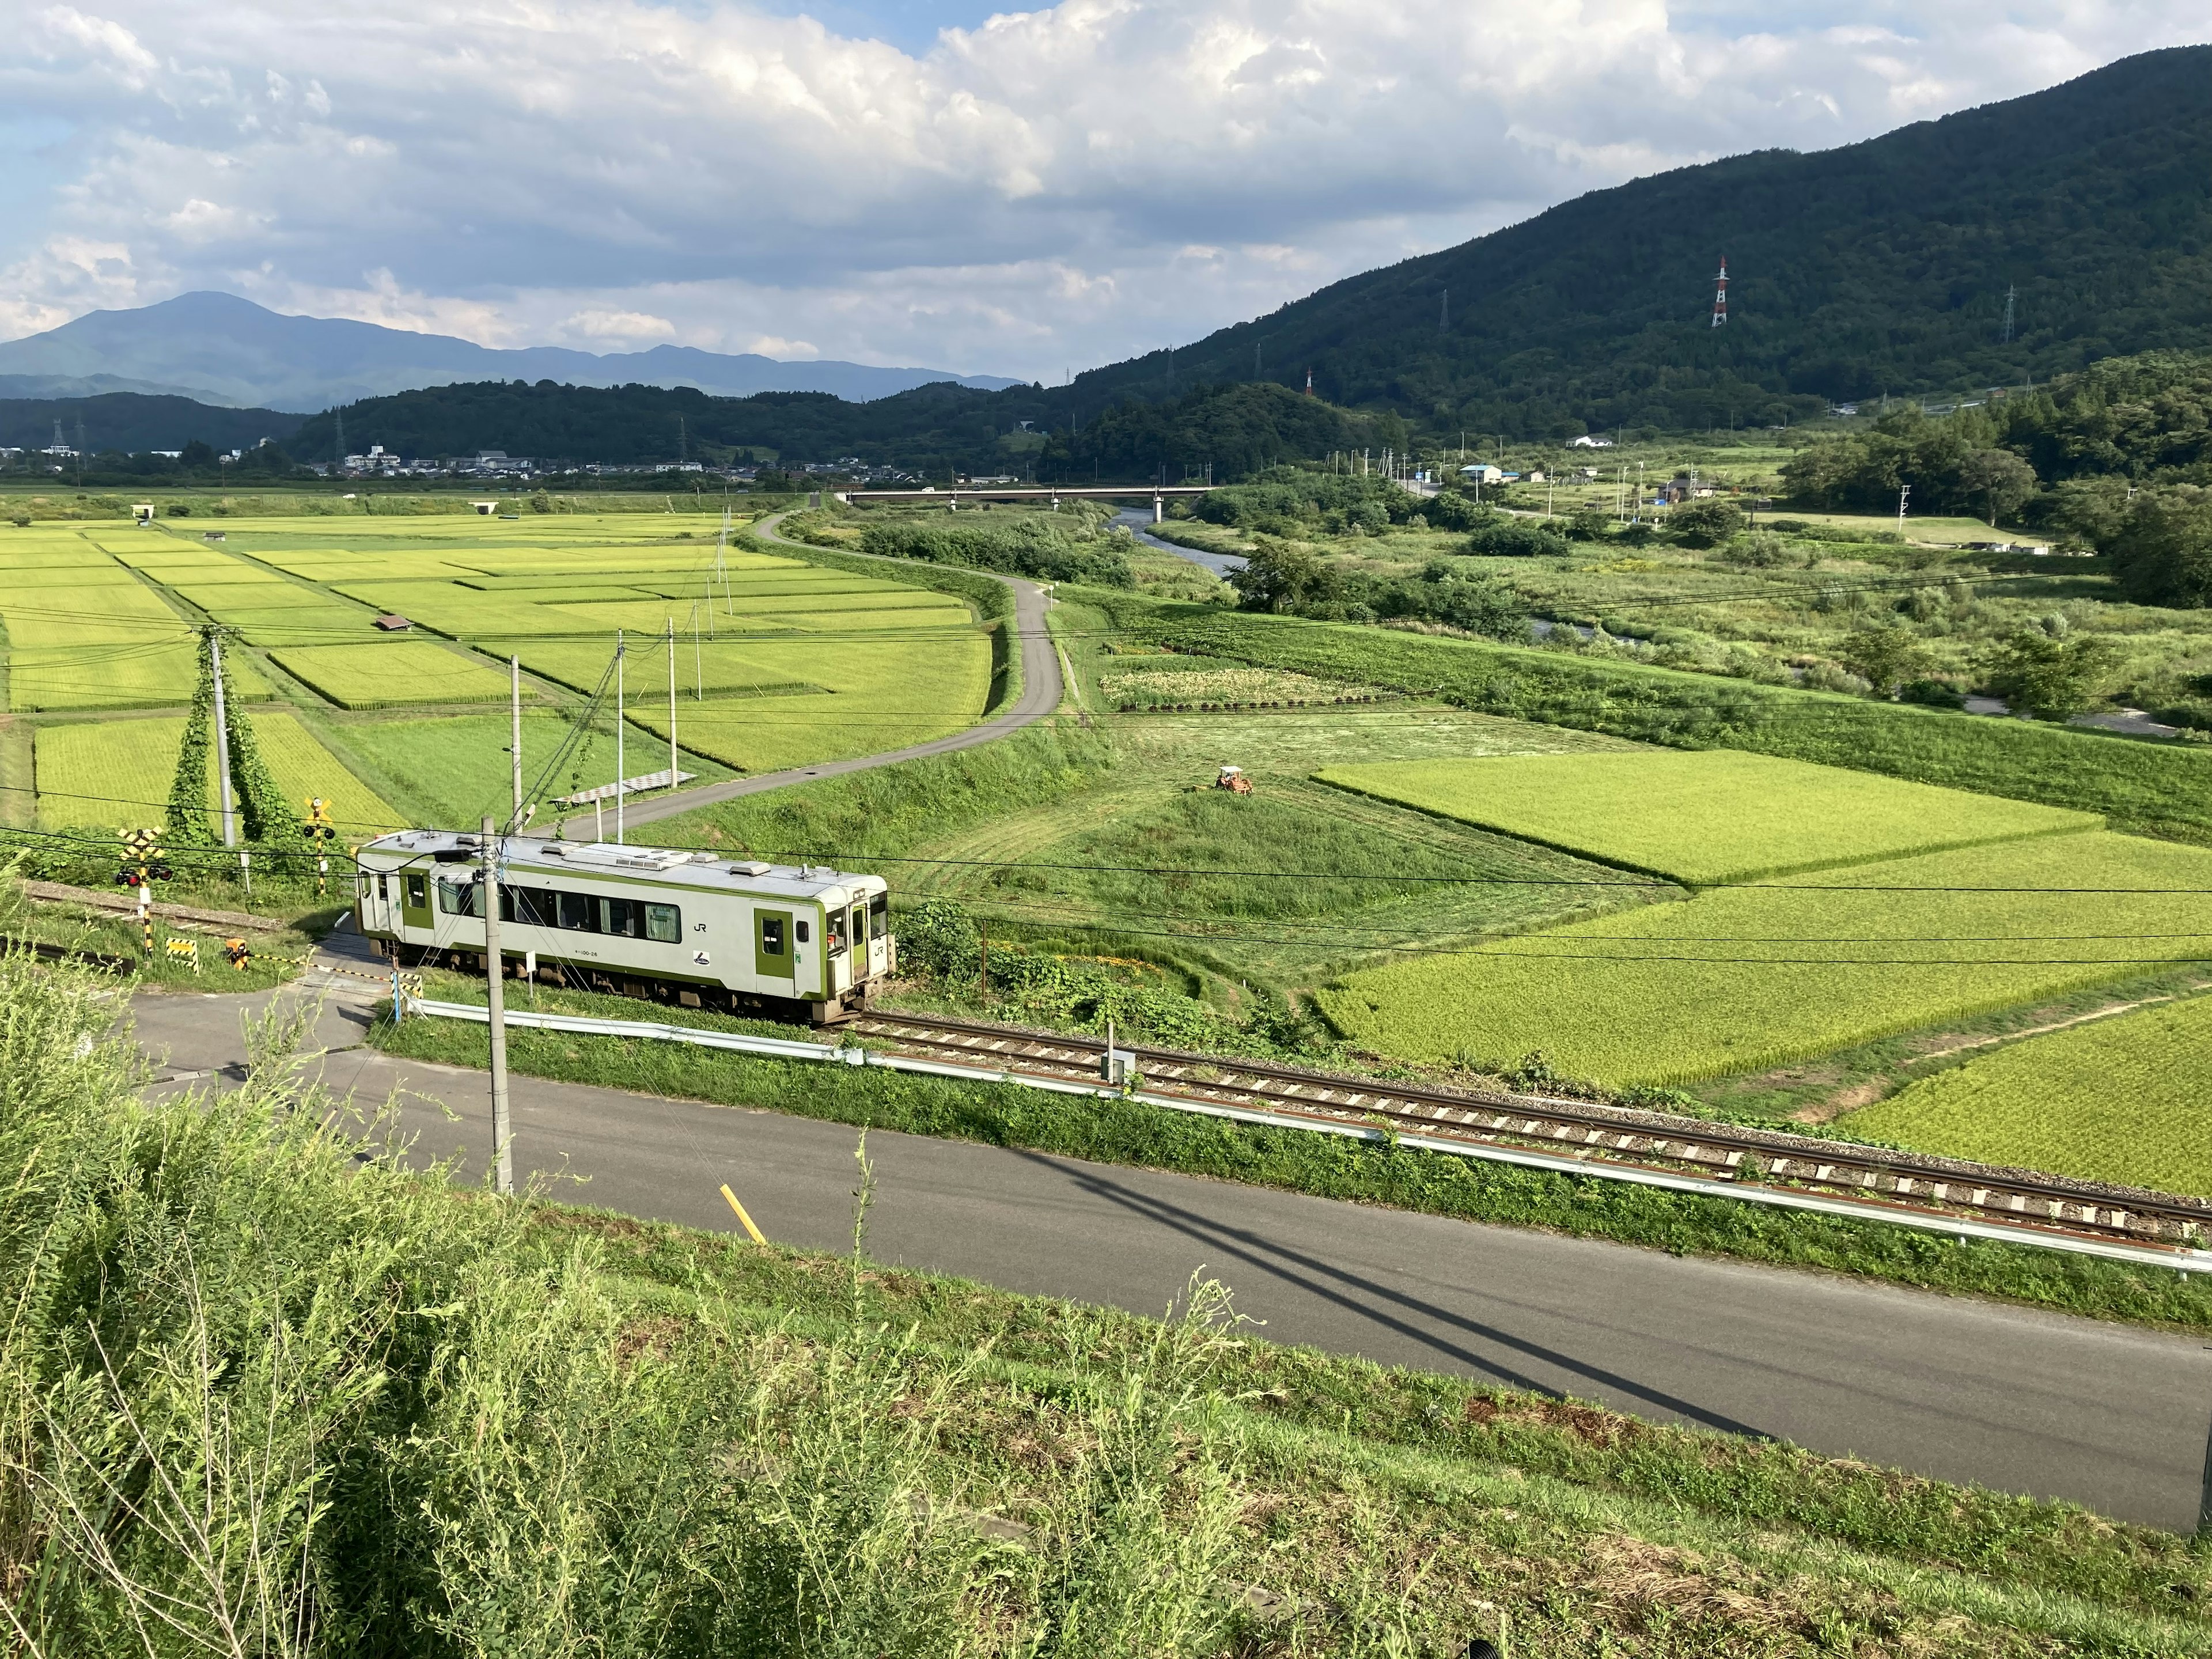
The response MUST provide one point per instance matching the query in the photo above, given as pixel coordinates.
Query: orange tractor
(1232, 779)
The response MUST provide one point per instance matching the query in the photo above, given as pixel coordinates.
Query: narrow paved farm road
(2107, 1415)
(1040, 694)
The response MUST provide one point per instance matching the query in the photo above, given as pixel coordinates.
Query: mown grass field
(393, 672)
(1742, 978)
(2122, 1099)
(116, 773)
(1705, 816)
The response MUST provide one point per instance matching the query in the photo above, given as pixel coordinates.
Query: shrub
(1031, 547)
(1704, 524)
(1501, 537)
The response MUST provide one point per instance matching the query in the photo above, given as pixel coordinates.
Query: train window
(458, 898)
(772, 935)
(879, 914)
(527, 907)
(418, 890)
(577, 913)
(663, 923)
(860, 924)
(619, 917)
(803, 934)
(836, 920)
(380, 893)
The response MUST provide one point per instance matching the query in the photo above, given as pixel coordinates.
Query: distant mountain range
(222, 350)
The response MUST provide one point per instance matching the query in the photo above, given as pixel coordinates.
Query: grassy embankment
(355, 1411)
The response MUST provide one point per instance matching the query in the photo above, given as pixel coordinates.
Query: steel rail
(1879, 1182)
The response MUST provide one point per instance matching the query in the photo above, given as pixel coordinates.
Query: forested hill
(1879, 266)
(934, 429)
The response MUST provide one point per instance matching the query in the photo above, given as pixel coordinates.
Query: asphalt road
(1040, 694)
(2107, 1415)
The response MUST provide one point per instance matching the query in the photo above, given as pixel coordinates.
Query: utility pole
(515, 726)
(618, 736)
(222, 756)
(495, 986)
(672, 703)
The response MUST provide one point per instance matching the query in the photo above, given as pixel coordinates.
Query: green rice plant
(152, 672)
(69, 576)
(1742, 978)
(1704, 815)
(2120, 1099)
(393, 672)
(463, 612)
(301, 625)
(883, 695)
(270, 592)
(450, 771)
(104, 615)
(702, 666)
(117, 773)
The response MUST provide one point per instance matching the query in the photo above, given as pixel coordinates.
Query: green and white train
(648, 922)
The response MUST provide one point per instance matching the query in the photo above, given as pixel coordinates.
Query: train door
(414, 898)
(772, 957)
(374, 915)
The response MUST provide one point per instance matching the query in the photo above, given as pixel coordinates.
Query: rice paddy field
(2120, 1099)
(394, 672)
(109, 773)
(1705, 816)
(1741, 978)
(790, 662)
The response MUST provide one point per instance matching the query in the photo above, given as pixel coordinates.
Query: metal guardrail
(1942, 1195)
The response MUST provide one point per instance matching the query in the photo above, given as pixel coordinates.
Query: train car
(687, 927)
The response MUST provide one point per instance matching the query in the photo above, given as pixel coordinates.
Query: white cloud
(1054, 186)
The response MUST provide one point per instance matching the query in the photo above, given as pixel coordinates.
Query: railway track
(45, 953)
(1607, 1140)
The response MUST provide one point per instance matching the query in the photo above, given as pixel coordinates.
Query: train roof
(674, 867)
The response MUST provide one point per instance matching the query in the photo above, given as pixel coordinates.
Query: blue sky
(898, 181)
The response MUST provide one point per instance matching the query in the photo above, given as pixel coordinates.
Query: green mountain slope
(1879, 266)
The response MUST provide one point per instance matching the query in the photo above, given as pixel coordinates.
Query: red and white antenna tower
(1720, 296)
(1310, 383)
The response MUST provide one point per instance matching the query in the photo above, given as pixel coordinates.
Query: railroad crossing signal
(142, 848)
(236, 954)
(319, 827)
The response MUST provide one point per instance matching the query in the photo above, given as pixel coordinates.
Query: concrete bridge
(952, 495)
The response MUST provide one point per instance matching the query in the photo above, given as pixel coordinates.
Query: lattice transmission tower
(1720, 295)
